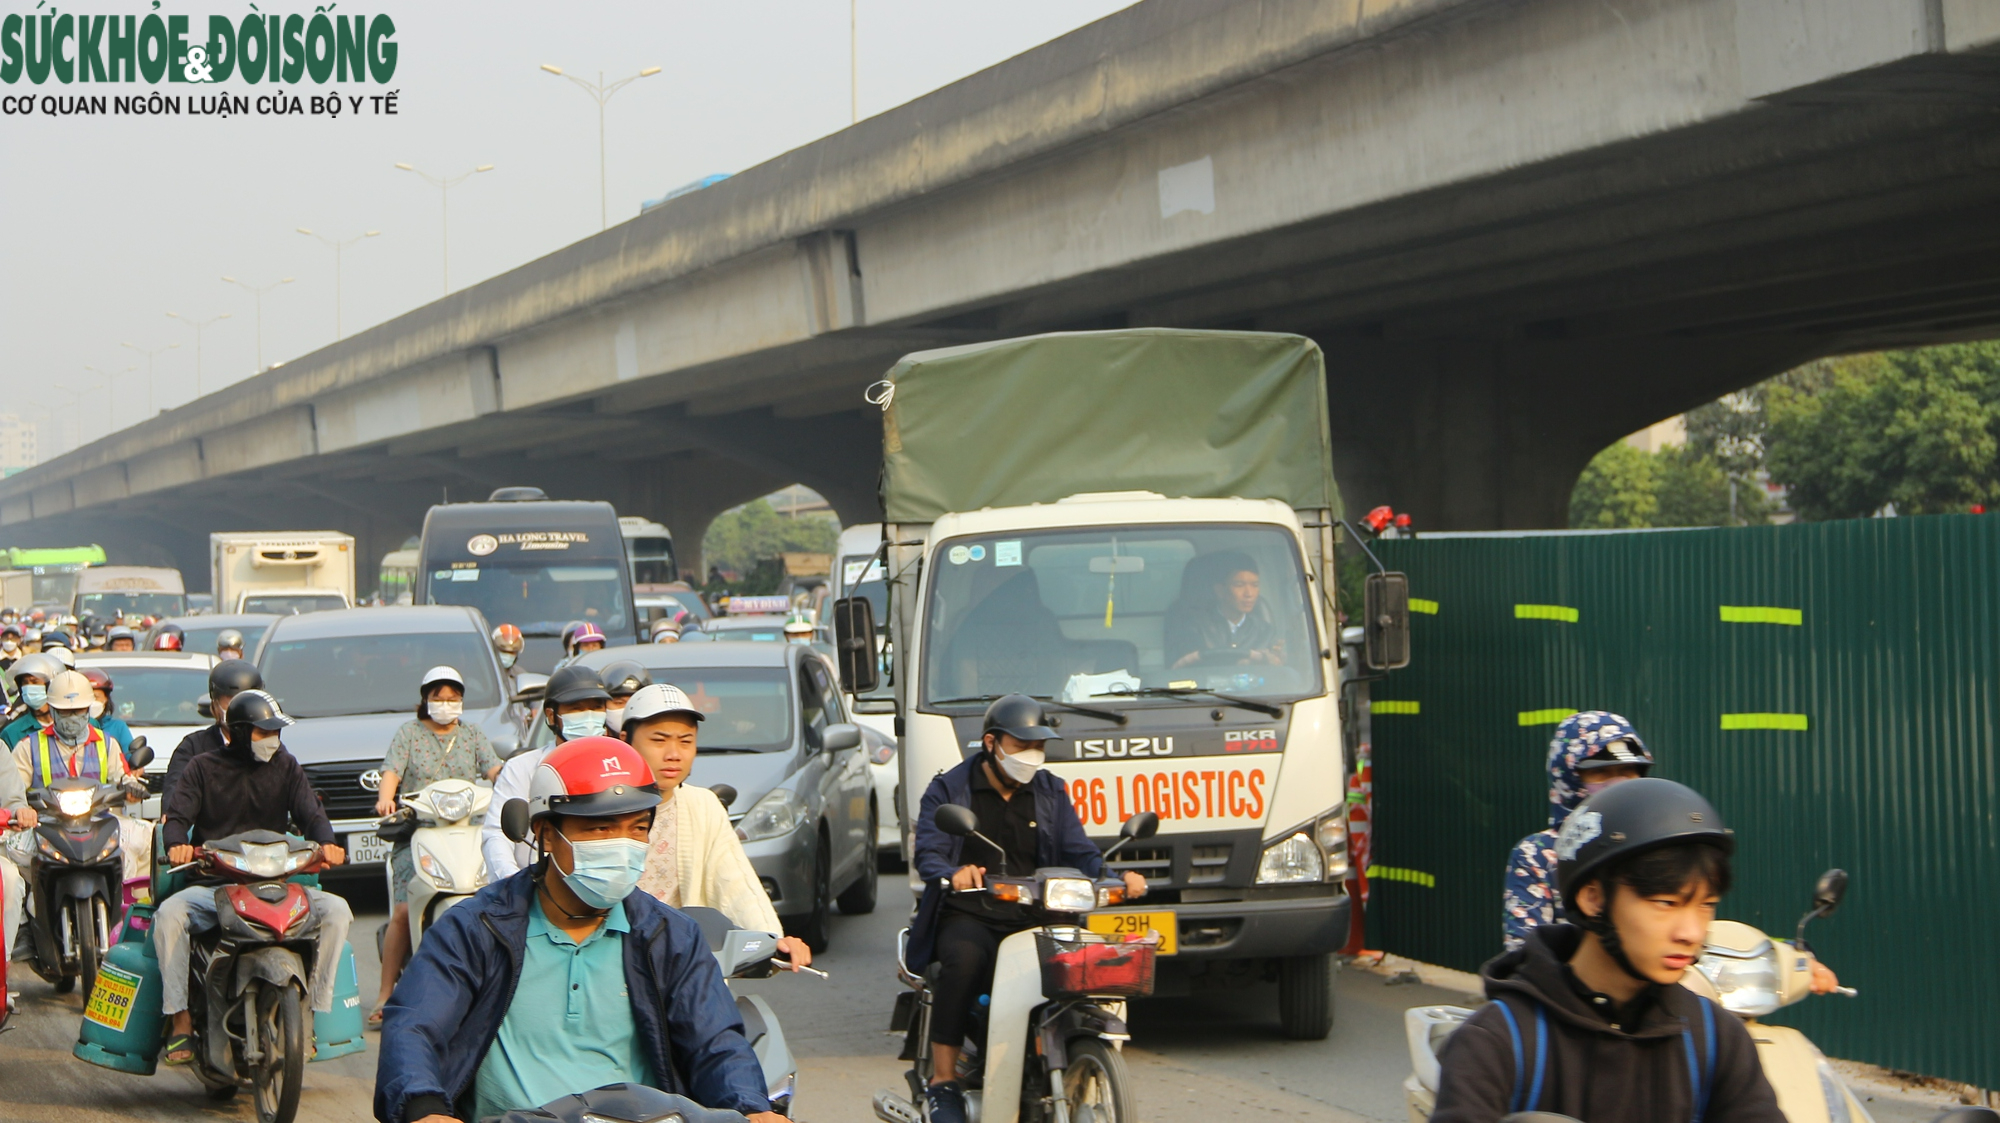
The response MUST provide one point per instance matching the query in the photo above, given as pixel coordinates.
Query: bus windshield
(1086, 614)
(539, 597)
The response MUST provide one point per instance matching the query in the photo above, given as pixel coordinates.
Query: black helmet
(625, 677)
(1630, 818)
(574, 683)
(252, 709)
(1021, 716)
(233, 676)
(228, 639)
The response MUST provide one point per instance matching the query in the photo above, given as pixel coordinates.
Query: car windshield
(1083, 614)
(293, 605)
(157, 695)
(372, 674)
(107, 605)
(746, 709)
(202, 638)
(538, 599)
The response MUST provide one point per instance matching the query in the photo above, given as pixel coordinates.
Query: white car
(157, 693)
(879, 740)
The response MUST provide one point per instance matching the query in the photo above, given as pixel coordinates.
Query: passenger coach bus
(524, 559)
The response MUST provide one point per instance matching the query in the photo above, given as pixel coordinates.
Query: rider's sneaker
(945, 1103)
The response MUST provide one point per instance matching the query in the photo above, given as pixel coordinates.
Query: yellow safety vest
(43, 740)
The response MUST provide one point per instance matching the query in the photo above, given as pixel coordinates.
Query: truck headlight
(1291, 861)
(778, 813)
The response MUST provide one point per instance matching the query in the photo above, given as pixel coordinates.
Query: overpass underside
(1494, 309)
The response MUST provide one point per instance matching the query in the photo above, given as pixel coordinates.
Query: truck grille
(1155, 863)
(340, 790)
(1209, 865)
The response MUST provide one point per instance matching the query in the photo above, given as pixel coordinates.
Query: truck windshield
(537, 597)
(54, 587)
(292, 604)
(108, 605)
(1086, 614)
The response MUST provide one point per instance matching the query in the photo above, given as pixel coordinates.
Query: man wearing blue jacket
(563, 978)
(962, 931)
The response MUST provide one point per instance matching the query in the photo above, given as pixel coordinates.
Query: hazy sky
(112, 222)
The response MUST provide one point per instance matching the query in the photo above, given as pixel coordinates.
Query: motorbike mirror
(140, 754)
(514, 820)
(725, 793)
(1831, 888)
(1143, 825)
(1969, 1115)
(957, 821)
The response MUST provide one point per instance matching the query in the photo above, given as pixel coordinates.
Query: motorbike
(1740, 969)
(747, 954)
(620, 1103)
(250, 976)
(6, 995)
(445, 849)
(76, 875)
(1046, 1045)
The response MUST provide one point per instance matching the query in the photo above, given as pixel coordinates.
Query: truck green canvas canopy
(1200, 414)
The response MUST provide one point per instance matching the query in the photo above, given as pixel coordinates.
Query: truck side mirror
(1386, 606)
(514, 820)
(854, 644)
(957, 821)
(1827, 894)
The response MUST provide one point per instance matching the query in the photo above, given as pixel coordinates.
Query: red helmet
(167, 641)
(98, 679)
(507, 638)
(594, 778)
(586, 633)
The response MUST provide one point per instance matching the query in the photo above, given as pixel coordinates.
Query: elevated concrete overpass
(1519, 228)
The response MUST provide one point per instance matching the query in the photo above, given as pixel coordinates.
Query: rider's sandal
(182, 1044)
(374, 1019)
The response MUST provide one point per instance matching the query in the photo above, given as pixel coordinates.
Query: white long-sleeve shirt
(505, 857)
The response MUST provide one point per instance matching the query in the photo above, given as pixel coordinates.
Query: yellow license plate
(1137, 923)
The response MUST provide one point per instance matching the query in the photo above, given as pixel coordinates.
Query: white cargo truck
(281, 572)
(1138, 527)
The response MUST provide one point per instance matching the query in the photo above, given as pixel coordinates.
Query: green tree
(742, 537)
(1619, 488)
(1624, 487)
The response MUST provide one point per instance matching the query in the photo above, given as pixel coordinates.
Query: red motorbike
(250, 976)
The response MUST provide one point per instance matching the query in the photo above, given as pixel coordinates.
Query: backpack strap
(1533, 1097)
(1513, 1031)
(1701, 1080)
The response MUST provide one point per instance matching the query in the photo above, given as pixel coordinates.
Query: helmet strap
(1606, 932)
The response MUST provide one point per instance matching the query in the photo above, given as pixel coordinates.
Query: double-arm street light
(338, 244)
(110, 394)
(444, 187)
(199, 326)
(258, 291)
(149, 371)
(601, 93)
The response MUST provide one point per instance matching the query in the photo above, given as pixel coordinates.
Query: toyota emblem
(371, 780)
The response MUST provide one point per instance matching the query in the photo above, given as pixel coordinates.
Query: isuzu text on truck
(1137, 526)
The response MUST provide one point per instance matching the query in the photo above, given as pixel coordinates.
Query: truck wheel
(858, 899)
(1305, 997)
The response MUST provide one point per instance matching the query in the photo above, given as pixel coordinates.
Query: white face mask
(444, 713)
(614, 718)
(97, 709)
(1021, 767)
(264, 748)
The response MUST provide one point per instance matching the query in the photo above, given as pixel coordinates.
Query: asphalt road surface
(1194, 1059)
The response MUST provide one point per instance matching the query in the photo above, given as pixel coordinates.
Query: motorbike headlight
(1331, 835)
(74, 802)
(778, 813)
(1748, 983)
(1292, 861)
(452, 806)
(265, 859)
(435, 870)
(1069, 894)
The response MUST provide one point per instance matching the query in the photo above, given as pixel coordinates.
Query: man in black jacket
(1588, 1019)
(251, 783)
(226, 680)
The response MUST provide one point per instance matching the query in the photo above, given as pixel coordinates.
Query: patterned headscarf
(1576, 739)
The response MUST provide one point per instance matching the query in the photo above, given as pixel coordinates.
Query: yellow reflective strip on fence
(1545, 612)
(1392, 707)
(1427, 607)
(1761, 614)
(1544, 717)
(1765, 721)
(1392, 873)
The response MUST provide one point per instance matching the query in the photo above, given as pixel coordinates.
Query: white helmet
(441, 673)
(61, 655)
(660, 698)
(69, 690)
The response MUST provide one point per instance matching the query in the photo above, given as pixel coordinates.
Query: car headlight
(265, 859)
(780, 812)
(1747, 982)
(452, 806)
(1292, 861)
(75, 801)
(1069, 894)
(435, 870)
(1331, 835)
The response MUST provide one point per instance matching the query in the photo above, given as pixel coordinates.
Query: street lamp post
(149, 371)
(111, 394)
(338, 244)
(444, 187)
(199, 326)
(601, 93)
(258, 292)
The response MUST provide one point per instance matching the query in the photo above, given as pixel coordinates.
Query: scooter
(1740, 969)
(747, 954)
(620, 1103)
(76, 878)
(250, 976)
(1047, 1045)
(445, 847)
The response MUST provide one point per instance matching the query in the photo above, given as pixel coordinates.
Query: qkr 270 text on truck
(1151, 551)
